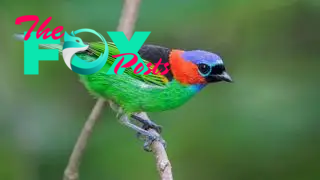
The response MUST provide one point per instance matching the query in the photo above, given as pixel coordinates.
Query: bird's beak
(225, 77)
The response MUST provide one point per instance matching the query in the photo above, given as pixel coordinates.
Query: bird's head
(198, 67)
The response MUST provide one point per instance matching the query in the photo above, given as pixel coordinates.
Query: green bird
(130, 93)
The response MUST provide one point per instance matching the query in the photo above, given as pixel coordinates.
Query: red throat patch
(184, 71)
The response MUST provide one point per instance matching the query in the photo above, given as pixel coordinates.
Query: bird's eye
(204, 69)
(77, 41)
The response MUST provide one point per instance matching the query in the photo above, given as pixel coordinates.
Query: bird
(189, 72)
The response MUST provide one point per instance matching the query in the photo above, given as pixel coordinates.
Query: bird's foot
(148, 124)
(150, 139)
(147, 136)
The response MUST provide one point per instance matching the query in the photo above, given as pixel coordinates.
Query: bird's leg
(147, 124)
(150, 137)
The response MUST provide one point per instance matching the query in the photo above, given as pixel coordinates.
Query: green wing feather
(96, 48)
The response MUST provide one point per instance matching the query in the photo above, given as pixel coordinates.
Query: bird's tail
(20, 36)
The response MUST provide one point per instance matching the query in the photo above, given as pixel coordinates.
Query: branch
(72, 170)
(129, 17)
(163, 164)
(126, 24)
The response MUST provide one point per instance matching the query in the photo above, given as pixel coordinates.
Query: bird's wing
(96, 48)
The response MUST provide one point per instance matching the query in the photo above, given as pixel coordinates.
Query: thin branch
(126, 24)
(129, 17)
(72, 170)
(163, 164)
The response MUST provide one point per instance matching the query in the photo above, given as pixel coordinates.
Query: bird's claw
(150, 139)
(147, 127)
(147, 136)
(152, 126)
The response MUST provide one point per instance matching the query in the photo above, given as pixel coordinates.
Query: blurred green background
(265, 126)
